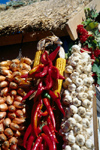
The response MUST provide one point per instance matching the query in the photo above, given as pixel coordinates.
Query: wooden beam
(29, 37)
(77, 19)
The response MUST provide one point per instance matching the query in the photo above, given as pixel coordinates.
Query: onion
(3, 107)
(18, 120)
(4, 91)
(9, 100)
(8, 132)
(13, 85)
(1, 128)
(11, 108)
(5, 145)
(3, 137)
(14, 126)
(11, 115)
(13, 140)
(7, 122)
(2, 78)
(18, 104)
(18, 98)
(19, 113)
(13, 92)
(2, 100)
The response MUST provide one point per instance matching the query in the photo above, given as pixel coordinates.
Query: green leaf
(96, 68)
(91, 26)
(98, 80)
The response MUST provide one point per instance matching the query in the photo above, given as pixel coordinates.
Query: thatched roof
(45, 15)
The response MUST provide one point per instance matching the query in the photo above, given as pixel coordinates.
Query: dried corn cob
(37, 58)
(60, 64)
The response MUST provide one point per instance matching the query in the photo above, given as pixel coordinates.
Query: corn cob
(60, 64)
(37, 58)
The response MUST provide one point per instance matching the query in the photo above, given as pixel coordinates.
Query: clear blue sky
(3, 1)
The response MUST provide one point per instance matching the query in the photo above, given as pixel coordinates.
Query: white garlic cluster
(77, 100)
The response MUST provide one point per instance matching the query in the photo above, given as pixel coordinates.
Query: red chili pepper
(26, 135)
(51, 128)
(45, 113)
(53, 55)
(35, 69)
(37, 143)
(48, 141)
(39, 90)
(42, 73)
(55, 73)
(30, 142)
(49, 109)
(45, 59)
(57, 101)
(49, 134)
(28, 94)
(35, 117)
(42, 147)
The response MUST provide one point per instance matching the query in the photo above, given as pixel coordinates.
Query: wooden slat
(95, 125)
(77, 19)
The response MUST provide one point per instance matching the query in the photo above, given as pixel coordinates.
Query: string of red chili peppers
(42, 128)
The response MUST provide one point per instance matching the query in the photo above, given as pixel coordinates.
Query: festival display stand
(11, 45)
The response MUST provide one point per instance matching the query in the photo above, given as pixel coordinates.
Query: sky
(3, 1)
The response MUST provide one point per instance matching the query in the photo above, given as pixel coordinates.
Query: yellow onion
(5, 63)
(5, 145)
(14, 126)
(23, 72)
(3, 107)
(2, 78)
(18, 98)
(13, 92)
(9, 100)
(22, 127)
(13, 140)
(14, 67)
(8, 132)
(19, 113)
(3, 137)
(24, 66)
(16, 73)
(2, 100)
(13, 85)
(18, 104)
(11, 115)
(24, 111)
(1, 128)
(5, 72)
(4, 91)
(17, 61)
(18, 120)
(26, 60)
(2, 115)
(3, 84)
(7, 122)
(9, 77)
(11, 108)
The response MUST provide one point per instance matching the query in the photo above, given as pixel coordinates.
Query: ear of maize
(60, 64)
(37, 58)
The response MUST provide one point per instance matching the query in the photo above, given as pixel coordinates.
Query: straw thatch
(45, 15)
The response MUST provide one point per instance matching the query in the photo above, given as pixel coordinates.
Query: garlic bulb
(85, 123)
(70, 139)
(72, 87)
(75, 147)
(84, 148)
(68, 69)
(77, 118)
(80, 88)
(67, 147)
(77, 128)
(72, 122)
(76, 102)
(67, 100)
(75, 48)
(89, 144)
(78, 81)
(80, 140)
(81, 111)
(73, 109)
(86, 103)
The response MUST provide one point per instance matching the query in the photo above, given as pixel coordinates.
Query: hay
(45, 15)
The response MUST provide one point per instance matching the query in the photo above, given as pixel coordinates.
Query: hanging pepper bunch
(40, 134)
(89, 36)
